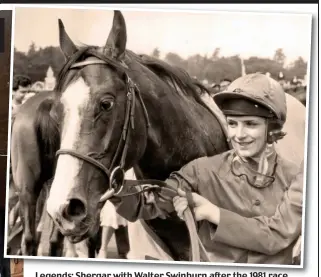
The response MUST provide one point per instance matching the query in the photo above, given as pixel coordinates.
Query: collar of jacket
(249, 169)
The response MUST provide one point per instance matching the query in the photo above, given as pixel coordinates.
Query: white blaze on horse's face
(74, 99)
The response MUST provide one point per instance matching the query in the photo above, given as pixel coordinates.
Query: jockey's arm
(155, 203)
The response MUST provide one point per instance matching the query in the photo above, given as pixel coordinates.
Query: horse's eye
(107, 105)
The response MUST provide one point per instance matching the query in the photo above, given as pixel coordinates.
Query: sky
(184, 33)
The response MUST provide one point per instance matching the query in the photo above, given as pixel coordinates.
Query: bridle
(116, 175)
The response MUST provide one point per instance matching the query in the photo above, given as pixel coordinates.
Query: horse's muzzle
(74, 235)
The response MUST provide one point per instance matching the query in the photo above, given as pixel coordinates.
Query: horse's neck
(208, 100)
(181, 128)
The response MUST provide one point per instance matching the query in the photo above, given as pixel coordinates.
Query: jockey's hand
(203, 209)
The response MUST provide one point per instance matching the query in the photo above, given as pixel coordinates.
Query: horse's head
(103, 129)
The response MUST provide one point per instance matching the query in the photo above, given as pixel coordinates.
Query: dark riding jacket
(257, 224)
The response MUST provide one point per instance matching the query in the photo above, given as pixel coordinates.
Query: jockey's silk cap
(253, 94)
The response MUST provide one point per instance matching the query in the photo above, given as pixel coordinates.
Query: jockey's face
(247, 134)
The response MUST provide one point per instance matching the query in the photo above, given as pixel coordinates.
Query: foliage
(214, 68)
(279, 57)
(35, 63)
(156, 53)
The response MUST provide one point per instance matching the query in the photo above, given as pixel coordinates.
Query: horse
(93, 90)
(32, 164)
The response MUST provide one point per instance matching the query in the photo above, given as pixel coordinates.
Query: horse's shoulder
(21, 120)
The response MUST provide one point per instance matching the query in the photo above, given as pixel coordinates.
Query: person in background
(216, 88)
(281, 79)
(21, 87)
(112, 223)
(224, 84)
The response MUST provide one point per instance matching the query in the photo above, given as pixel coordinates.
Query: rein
(116, 175)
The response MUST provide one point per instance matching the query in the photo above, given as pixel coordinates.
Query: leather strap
(190, 202)
(165, 192)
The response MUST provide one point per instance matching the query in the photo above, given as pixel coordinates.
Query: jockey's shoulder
(288, 167)
(222, 157)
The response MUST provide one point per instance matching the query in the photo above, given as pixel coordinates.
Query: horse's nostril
(75, 209)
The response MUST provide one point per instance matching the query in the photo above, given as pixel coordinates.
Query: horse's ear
(66, 44)
(116, 42)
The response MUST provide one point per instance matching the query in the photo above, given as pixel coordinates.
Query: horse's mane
(47, 130)
(174, 74)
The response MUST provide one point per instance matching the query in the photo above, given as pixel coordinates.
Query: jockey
(248, 200)
(253, 177)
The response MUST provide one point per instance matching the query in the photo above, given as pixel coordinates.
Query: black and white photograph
(142, 135)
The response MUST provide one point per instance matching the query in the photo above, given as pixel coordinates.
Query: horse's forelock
(83, 53)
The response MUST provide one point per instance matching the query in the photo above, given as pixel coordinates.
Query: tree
(279, 56)
(216, 54)
(175, 59)
(35, 63)
(156, 53)
(298, 69)
(256, 64)
(32, 49)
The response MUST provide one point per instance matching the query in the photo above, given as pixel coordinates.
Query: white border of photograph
(212, 8)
